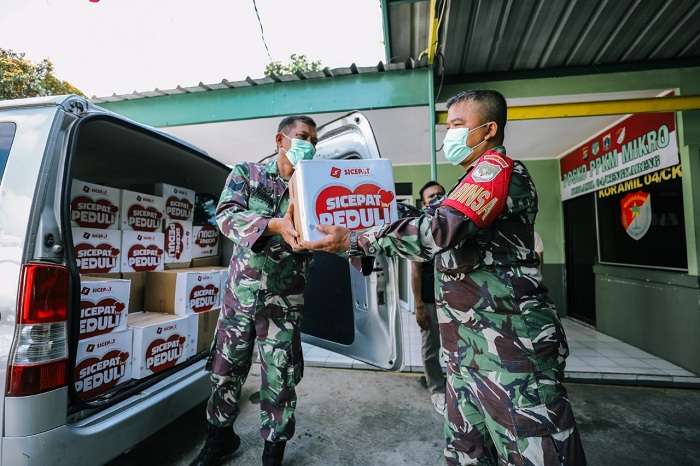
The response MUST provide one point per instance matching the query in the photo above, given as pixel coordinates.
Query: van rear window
(7, 135)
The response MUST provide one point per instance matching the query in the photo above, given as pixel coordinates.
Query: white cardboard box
(97, 251)
(183, 291)
(141, 212)
(177, 241)
(103, 362)
(94, 206)
(104, 305)
(205, 241)
(142, 251)
(178, 202)
(160, 342)
(351, 193)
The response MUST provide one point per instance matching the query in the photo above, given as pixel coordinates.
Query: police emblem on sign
(485, 172)
(595, 148)
(636, 214)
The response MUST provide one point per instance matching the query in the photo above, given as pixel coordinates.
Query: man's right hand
(422, 316)
(285, 227)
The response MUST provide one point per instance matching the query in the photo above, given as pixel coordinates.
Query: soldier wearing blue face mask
(263, 298)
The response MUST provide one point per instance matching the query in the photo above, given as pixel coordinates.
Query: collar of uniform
(272, 169)
(501, 149)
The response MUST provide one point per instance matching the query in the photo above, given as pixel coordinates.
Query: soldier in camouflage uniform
(504, 343)
(263, 298)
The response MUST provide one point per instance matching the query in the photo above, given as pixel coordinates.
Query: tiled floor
(593, 356)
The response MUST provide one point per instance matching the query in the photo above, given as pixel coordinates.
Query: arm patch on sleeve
(483, 193)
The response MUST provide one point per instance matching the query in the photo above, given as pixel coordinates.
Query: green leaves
(298, 63)
(19, 78)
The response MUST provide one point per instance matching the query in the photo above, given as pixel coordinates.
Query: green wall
(656, 311)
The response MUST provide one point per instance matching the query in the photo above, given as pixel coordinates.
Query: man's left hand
(337, 239)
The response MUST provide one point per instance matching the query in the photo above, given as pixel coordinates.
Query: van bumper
(102, 437)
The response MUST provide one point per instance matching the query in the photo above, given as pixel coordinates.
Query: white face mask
(455, 144)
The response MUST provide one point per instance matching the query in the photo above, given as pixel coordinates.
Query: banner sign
(639, 144)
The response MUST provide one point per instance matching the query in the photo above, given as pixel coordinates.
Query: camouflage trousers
(525, 416)
(281, 367)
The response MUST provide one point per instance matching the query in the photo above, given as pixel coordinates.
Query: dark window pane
(641, 221)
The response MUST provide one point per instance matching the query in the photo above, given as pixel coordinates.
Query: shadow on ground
(350, 417)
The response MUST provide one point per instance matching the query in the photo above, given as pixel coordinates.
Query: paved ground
(350, 417)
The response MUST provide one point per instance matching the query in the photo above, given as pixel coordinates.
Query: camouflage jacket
(493, 309)
(266, 277)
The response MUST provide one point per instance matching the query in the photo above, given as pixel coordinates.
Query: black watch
(353, 250)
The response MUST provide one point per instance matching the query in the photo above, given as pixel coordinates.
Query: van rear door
(344, 311)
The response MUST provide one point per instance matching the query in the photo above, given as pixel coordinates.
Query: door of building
(581, 255)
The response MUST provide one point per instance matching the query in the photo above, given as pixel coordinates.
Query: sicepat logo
(144, 258)
(142, 218)
(363, 171)
(101, 317)
(174, 243)
(178, 209)
(96, 259)
(164, 354)
(203, 298)
(95, 375)
(207, 237)
(335, 172)
(368, 205)
(90, 213)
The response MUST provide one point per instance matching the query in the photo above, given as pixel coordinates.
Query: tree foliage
(298, 63)
(19, 78)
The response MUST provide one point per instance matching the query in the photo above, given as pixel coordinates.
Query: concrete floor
(594, 357)
(354, 417)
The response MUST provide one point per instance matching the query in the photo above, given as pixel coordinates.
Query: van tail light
(39, 355)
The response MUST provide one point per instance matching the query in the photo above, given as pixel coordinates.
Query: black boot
(273, 453)
(221, 441)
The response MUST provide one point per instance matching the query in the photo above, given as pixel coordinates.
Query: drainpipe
(432, 47)
(431, 101)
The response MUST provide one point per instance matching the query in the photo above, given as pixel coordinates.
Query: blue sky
(120, 46)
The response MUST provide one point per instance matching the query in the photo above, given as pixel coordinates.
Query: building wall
(655, 311)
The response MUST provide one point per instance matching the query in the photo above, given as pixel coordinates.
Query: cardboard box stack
(124, 240)
(105, 344)
(350, 193)
(94, 213)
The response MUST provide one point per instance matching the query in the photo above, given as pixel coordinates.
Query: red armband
(483, 193)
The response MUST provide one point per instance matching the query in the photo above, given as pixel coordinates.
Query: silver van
(47, 142)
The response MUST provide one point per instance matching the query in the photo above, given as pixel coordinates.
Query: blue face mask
(455, 144)
(300, 150)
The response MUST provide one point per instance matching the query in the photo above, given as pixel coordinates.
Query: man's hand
(422, 316)
(285, 227)
(337, 239)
